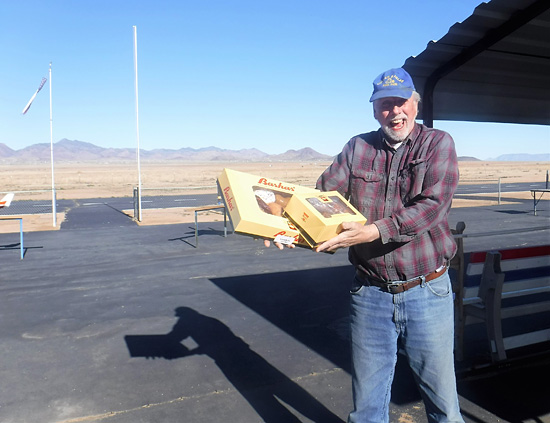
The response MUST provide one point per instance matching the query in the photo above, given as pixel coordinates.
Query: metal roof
(493, 67)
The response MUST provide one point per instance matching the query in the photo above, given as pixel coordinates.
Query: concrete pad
(125, 324)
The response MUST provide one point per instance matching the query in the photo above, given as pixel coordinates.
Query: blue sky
(271, 75)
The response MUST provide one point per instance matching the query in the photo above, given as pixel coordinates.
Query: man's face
(396, 116)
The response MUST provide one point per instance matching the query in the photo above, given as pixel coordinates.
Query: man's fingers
(280, 246)
(327, 246)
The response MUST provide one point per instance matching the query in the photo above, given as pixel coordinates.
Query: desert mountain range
(78, 151)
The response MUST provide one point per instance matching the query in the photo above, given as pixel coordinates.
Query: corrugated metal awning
(493, 67)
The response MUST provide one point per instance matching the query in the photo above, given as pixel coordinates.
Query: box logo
(228, 198)
(279, 185)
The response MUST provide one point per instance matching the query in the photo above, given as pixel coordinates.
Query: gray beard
(391, 136)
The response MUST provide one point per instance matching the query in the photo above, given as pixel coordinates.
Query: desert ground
(105, 180)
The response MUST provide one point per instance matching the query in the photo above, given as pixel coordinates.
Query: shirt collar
(393, 147)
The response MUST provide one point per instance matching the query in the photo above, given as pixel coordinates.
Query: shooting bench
(535, 201)
(508, 290)
(21, 247)
(205, 209)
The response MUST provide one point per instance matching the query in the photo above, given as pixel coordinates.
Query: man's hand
(350, 233)
(280, 246)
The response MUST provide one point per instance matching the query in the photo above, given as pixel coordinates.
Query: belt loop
(423, 281)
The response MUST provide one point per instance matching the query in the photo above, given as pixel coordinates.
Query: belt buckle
(394, 288)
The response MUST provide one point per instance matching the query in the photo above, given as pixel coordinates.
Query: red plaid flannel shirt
(406, 193)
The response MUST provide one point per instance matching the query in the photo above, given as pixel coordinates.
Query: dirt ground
(105, 180)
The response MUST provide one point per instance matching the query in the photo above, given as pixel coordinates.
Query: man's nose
(397, 108)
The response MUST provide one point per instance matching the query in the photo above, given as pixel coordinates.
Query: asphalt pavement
(108, 321)
(196, 200)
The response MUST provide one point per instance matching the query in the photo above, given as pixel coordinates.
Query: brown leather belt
(397, 287)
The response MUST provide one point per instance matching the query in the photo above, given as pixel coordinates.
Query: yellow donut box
(318, 215)
(255, 205)
(288, 213)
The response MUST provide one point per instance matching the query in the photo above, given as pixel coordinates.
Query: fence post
(546, 179)
(136, 211)
(54, 207)
(499, 191)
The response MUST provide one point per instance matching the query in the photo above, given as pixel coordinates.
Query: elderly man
(401, 178)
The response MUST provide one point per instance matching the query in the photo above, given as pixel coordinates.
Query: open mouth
(397, 124)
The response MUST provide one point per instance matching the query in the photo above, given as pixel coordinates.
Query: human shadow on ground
(312, 306)
(259, 382)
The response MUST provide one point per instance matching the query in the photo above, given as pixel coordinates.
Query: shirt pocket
(366, 187)
(411, 180)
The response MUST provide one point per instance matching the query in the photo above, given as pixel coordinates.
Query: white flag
(28, 106)
(6, 200)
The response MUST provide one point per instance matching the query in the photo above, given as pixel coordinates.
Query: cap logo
(391, 81)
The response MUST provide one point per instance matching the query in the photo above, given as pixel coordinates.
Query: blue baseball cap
(393, 83)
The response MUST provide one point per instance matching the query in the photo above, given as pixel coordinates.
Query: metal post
(196, 230)
(136, 191)
(54, 208)
(499, 191)
(546, 179)
(21, 238)
(137, 123)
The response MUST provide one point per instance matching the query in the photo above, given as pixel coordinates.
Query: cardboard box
(317, 215)
(255, 205)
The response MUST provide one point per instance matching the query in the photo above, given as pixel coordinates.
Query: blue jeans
(421, 322)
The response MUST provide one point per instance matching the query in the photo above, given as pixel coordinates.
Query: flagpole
(54, 208)
(137, 123)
